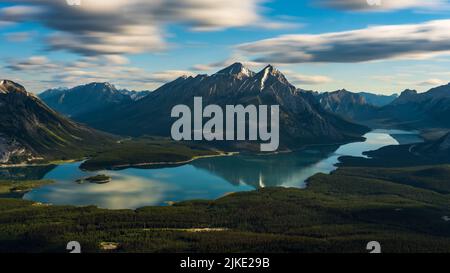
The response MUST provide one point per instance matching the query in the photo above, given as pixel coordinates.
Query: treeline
(337, 213)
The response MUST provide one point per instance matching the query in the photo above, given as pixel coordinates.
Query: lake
(207, 178)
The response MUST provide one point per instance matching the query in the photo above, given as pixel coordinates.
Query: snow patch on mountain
(264, 78)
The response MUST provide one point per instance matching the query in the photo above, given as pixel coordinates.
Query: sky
(379, 46)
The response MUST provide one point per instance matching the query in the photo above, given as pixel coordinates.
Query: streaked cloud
(105, 68)
(106, 27)
(34, 63)
(116, 59)
(413, 41)
(432, 82)
(5, 24)
(18, 36)
(169, 75)
(384, 5)
(299, 79)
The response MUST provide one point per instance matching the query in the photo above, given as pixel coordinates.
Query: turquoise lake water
(207, 178)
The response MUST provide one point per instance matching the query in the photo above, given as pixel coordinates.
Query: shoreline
(176, 163)
(173, 163)
(25, 165)
(162, 164)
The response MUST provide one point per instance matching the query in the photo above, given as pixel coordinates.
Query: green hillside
(337, 213)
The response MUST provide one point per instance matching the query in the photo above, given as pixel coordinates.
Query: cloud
(5, 24)
(34, 63)
(20, 12)
(374, 43)
(132, 26)
(104, 68)
(384, 5)
(18, 36)
(301, 79)
(116, 59)
(169, 75)
(432, 82)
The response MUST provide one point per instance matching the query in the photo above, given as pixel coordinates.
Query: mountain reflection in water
(207, 178)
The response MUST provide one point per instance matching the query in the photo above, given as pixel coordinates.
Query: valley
(332, 186)
(179, 129)
(209, 177)
(340, 212)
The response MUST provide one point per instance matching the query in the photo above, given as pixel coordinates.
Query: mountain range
(413, 110)
(352, 106)
(32, 128)
(30, 131)
(302, 119)
(88, 98)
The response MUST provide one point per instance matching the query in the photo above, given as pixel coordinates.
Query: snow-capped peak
(267, 73)
(7, 86)
(237, 69)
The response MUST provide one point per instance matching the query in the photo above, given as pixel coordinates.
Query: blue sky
(321, 45)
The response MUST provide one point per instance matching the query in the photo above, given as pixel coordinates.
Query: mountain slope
(413, 110)
(88, 98)
(438, 149)
(302, 119)
(352, 106)
(30, 131)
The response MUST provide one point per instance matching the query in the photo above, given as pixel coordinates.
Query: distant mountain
(303, 120)
(30, 131)
(406, 96)
(88, 98)
(378, 100)
(352, 106)
(413, 110)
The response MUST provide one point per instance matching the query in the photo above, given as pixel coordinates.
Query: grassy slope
(402, 208)
(145, 150)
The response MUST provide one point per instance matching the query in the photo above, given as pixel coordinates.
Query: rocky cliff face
(10, 149)
(30, 131)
